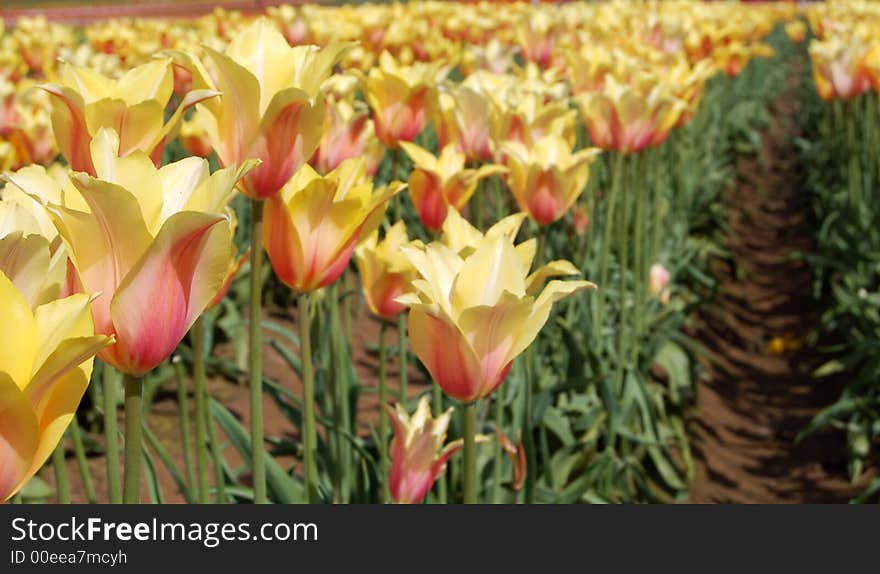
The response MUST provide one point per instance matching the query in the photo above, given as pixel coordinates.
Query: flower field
(442, 252)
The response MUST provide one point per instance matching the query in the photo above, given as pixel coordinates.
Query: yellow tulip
(271, 106)
(546, 178)
(155, 243)
(476, 309)
(401, 98)
(464, 118)
(313, 225)
(385, 272)
(45, 365)
(134, 106)
(438, 183)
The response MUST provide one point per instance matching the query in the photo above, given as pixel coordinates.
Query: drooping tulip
(401, 98)
(45, 365)
(546, 178)
(385, 272)
(156, 243)
(271, 107)
(418, 455)
(313, 225)
(133, 106)
(438, 183)
(475, 310)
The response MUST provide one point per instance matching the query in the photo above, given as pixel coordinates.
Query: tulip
(627, 119)
(438, 183)
(401, 98)
(45, 366)
(385, 272)
(418, 455)
(464, 118)
(271, 107)
(134, 106)
(658, 280)
(530, 118)
(471, 315)
(517, 455)
(546, 178)
(839, 68)
(348, 133)
(155, 243)
(313, 225)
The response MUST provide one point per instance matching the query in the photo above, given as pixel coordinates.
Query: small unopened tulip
(658, 282)
(517, 455)
(418, 455)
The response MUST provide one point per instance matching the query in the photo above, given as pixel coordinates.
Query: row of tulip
(611, 126)
(841, 138)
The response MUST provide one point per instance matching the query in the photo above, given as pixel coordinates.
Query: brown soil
(753, 402)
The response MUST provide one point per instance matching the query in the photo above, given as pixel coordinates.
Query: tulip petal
(25, 261)
(557, 268)
(261, 49)
(446, 354)
(554, 291)
(289, 134)
(491, 270)
(19, 437)
(69, 127)
(153, 80)
(166, 291)
(17, 345)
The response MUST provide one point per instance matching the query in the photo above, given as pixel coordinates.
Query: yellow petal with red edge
(420, 156)
(25, 261)
(214, 193)
(447, 355)
(18, 347)
(69, 126)
(238, 112)
(557, 268)
(282, 241)
(166, 291)
(288, 135)
(19, 437)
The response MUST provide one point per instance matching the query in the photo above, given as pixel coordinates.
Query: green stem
(81, 462)
(114, 481)
(469, 454)
(639, 264)
(527, 435)
(498, 461)
(383, 416)
(623, 256)
(217, 461)
(608, 227)
(340, 379)
(310, 433)
(437, 409)
(134, 388)
(255, 353)
(403, 359)
(185, 434)
(62, 482)
(201, 397)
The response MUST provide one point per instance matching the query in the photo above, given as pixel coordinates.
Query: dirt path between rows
(754, 401)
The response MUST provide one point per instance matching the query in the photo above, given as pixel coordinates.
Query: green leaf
(676, 363)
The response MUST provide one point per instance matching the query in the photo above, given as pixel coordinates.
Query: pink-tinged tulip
(464, 118)
(313, 225)
(658, 281)
(476, 307)
(385, 272)
(839, 67)
(628, 118)
(437, 184)
(401, 98)
(133, 106)
(271, 107)
(547, 178)
(418, 456)
(348, 133)
(155, 243)
(45, 364)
